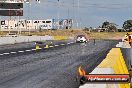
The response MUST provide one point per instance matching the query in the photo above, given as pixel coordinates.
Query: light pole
(68, 18)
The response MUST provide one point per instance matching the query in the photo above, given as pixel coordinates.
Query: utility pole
(58, 14)
(78, 14)
(74, 20)
(68, 18)
(20, 24)
(9, 27)
(38, 22)
(28, 17)
(17, 25)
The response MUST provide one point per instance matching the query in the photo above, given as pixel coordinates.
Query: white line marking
(12, 52)
(71, 42)
(68, 43)
(33, 49)
(56, 45)
(20, 51)
(39, 48)
(6, 53)
(45, 48)
(1, 54)
(62, 44)
(51, 46)
(27, 50)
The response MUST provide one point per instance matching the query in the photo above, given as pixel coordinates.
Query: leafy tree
(86, 29)
(105, 24)
(120, 30)
(109, 26)
(127, 25)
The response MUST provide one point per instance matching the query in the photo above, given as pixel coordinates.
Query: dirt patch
(116, 37)
(71, 33)
(107, 35)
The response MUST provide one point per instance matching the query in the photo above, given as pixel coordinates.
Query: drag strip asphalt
(55, 67)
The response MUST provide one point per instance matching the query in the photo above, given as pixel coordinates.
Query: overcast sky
(90, 13)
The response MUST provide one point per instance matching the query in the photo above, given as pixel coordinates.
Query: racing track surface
(55, 67)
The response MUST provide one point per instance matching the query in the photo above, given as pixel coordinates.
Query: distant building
(35, 25)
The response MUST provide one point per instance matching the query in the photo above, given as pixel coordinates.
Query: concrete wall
(20, 39)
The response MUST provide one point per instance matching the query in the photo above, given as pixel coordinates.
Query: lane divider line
(62, 44)
(39, 48)
(13, 52)
(6, 53)
(27, 50)
(1, 54)
(68, 43)
(20, 51)
(51, 46)
(56, 45)
(71, 42)
(31, 49)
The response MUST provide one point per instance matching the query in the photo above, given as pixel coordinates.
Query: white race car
(81, 39)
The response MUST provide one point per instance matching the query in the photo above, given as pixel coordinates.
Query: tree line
(112, 27)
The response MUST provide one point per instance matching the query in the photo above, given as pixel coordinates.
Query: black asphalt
(55, 67)
(127, 54)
